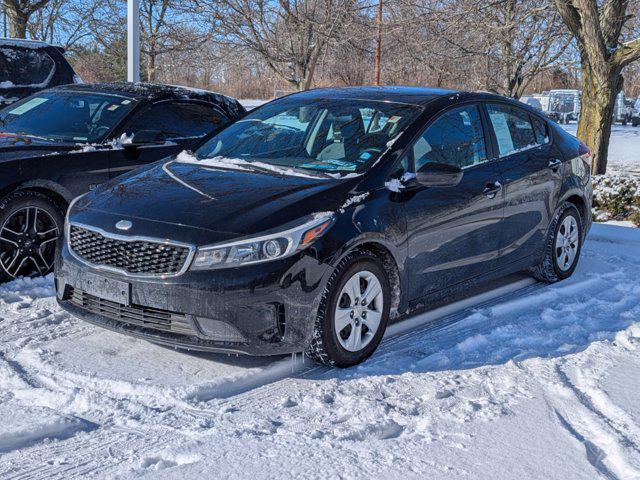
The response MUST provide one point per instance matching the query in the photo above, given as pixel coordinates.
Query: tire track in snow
(586, 400)
(607, 447)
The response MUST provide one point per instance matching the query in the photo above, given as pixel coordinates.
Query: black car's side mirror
(439, 175)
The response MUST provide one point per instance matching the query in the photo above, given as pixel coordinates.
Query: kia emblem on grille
(124, 225)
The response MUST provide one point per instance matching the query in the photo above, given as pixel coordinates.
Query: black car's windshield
(337, 135)
(66, 116)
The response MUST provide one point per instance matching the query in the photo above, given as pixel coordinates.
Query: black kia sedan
(316, 218)
(62, 142)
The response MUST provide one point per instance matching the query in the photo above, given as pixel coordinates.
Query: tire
(553, 266)
(635, 123)
(33, 248)
(326, 347)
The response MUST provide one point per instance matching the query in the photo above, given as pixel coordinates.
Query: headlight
(261, 249)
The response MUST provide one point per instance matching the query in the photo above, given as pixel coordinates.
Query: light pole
(133, 40)
(4, 19)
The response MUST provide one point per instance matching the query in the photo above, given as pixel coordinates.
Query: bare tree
(524, 38)
(19, 13)
(289, 35)
(63, 22)
(598, 29)
(167, 29)
(500, 46)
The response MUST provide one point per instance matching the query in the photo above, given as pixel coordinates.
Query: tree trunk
(17, 23)
(151, 69)
(596, 116)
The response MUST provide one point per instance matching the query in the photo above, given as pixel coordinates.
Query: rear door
(531, 167)
(176, 125)
(454, 233)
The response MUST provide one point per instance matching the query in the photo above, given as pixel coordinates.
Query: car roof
(397, 94)
(420, 96)
(21, 42)
(154, 92)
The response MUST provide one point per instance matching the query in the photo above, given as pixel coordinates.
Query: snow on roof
(155, 91)
(21, 42)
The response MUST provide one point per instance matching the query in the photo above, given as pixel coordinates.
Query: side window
(456, 138)
(512, 127)
(541, 130)
(177, 120)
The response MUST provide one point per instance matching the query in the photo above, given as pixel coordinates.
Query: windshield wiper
(30, 135)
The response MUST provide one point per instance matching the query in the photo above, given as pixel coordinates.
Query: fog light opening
(281, 321)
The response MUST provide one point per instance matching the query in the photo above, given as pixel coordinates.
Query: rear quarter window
(24, 67)
(541, 130)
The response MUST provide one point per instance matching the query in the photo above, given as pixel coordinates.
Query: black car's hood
(13, 146)
(196, 204)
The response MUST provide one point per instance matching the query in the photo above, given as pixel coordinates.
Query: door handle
(492, 189)
(555, 165)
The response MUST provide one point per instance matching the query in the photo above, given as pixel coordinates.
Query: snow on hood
(238, 164)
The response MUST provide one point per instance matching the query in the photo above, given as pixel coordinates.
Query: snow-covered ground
(525, 381)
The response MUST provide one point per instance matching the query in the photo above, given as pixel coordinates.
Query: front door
(125, 159)
(454, 233)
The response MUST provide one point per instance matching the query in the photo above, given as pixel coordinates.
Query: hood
(14, 146)
(201, 205)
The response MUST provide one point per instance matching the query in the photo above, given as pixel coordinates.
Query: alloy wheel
(27, 242)
(566, 247)
(359, 311)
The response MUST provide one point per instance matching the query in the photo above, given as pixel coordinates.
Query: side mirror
(144, 137)
(439, 175)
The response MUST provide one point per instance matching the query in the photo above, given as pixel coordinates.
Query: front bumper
(263, 309)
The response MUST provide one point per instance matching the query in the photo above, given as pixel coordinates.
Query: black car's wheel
(563, 247)
(354, 312)
(30, 223)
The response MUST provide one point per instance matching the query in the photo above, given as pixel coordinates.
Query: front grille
(134, 257)
(135, 315)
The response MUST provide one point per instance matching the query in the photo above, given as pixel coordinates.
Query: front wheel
(353, 313)
(563, 247)
(30, 223)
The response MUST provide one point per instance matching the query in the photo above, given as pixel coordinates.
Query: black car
(62, 142)
(309, 223)
(28, 66)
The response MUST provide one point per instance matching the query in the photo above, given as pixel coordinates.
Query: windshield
(336, 135)
(66, 116)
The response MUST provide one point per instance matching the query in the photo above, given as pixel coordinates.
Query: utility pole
(376, 67)
(133, 40)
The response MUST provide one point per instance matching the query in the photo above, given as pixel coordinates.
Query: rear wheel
(563, 247)
(30, 223)
(354, 312)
